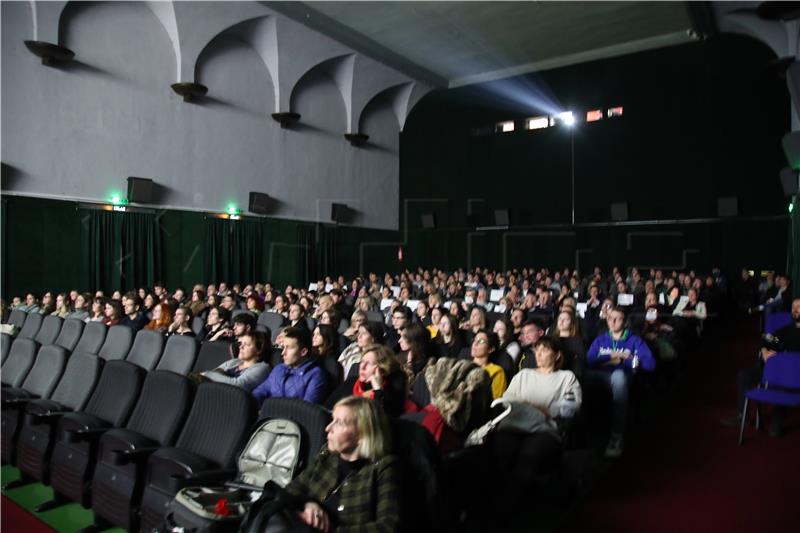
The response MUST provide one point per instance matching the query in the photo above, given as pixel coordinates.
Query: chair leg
(742, 422)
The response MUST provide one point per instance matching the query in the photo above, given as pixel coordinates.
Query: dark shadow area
(11, 177)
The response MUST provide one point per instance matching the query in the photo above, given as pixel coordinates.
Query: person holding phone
(379, 378)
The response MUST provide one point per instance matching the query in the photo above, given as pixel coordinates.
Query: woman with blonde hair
(353, 483)
(379, 378)
(62, 306)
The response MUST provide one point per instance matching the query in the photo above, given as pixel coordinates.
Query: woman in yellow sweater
(484, 345)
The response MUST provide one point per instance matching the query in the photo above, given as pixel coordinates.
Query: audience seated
(247, 370)
(134, 318)
(379, 378)
(181, 323)
(484, 344)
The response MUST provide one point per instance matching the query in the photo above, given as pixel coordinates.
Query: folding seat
(48, 333)
(146, 349)
(215, 431)
(122, 454)
(311, 323)
(92, 338)
(273, 321)
(70, 334)
(237, 312)
(40, 383)
(18, 363)
(5, 345)
(376, 316)
(312, 419)
(179, 354)
(17, 318)
(197, 325)
(343, 325)
(33, 321)
(117, 344)
(212, 354)
(78, 433)
(38, 426)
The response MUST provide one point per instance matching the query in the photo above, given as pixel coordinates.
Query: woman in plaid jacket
(353, 483)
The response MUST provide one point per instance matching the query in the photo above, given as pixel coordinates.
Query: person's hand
(376, 380)
(314, 516)
(766, 354)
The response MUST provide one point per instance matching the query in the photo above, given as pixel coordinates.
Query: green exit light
(791, 207)
(116, 199)
(232, 210)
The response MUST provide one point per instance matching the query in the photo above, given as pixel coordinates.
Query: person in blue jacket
(613, 357)
(299, 376)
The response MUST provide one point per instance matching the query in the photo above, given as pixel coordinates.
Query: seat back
(197, 325)
(212, 354)
(343, 325)
(237, 312)
(94, 334)
(273, 321)
(48, 333)
(375, 316)
(46, 371)
(70, 334)
(116, 392)
(312, 419)
(5, 346)
(179, 354)
(19, 362)
(146, 349)
(775, 321)
(17, 318)
(78, 381)
(162, 407)
(310, 322)
(117, 344)
(31, 327)
(781, 370)
(218, 423)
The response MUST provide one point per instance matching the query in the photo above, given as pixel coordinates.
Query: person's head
(323, 340)
(483, 345)
(183, 316)
(296, 312)
(415, 339)
(113, 310)
(330, 317)
(650, 300)
(436, 315)
(477, 318)
(254, 302)
(162, 315)
(369, 333)
(296, 346)
(693, 295)
(243, 323)
(251, 346)
(565, 324)
(548, 354)
(358, 430)
(401, 317)
(228, 302)
(280, 303)
(217, 316)
(82, 301)
(377, 359)
(149, 301)
(796, 311)
(517, 318)
(531, 332)
(98, 305)
(62, 301)
(131, 304)
(616, 320)
(357, 318)
(422, 309)
(504, 330)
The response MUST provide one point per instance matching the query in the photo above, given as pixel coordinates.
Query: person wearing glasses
(401, 318)
(483, 345)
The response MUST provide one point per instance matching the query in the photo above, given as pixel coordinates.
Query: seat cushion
(168, 462)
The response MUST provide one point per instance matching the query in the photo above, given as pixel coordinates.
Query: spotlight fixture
(190, 91)
(50, 53)
(286, 119)
(356, 139)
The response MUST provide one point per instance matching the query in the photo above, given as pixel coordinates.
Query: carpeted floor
(684, 471)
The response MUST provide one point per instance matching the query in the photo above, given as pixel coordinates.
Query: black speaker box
(339, 213)
(140, 190)
(259, 203)
(790, 181)
(727, 206)
(619, 212)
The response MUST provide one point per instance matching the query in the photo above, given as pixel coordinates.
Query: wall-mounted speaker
(501, 217)
(140, 190)
(727, 206)
(619, 212)
(428, 221)
(259, 203)
(339, 213)
(790, 181)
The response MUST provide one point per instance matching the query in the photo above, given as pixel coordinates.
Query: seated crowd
(439, 347)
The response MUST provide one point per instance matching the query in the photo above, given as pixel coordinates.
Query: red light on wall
(614, 111)
(594, 116)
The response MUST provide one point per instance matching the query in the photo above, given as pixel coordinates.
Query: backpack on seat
(271, 454)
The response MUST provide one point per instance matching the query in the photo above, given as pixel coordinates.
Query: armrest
(45, 417)
(16, 402)
(124, 457)
(209, 477)
(82, 435)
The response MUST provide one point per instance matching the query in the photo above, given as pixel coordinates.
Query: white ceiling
(450, 44)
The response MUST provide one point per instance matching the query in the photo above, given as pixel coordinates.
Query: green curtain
(233, 250)
(316, 252)
(121, 250)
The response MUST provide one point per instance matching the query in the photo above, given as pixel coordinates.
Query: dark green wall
(42, 244)
(701, 121)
